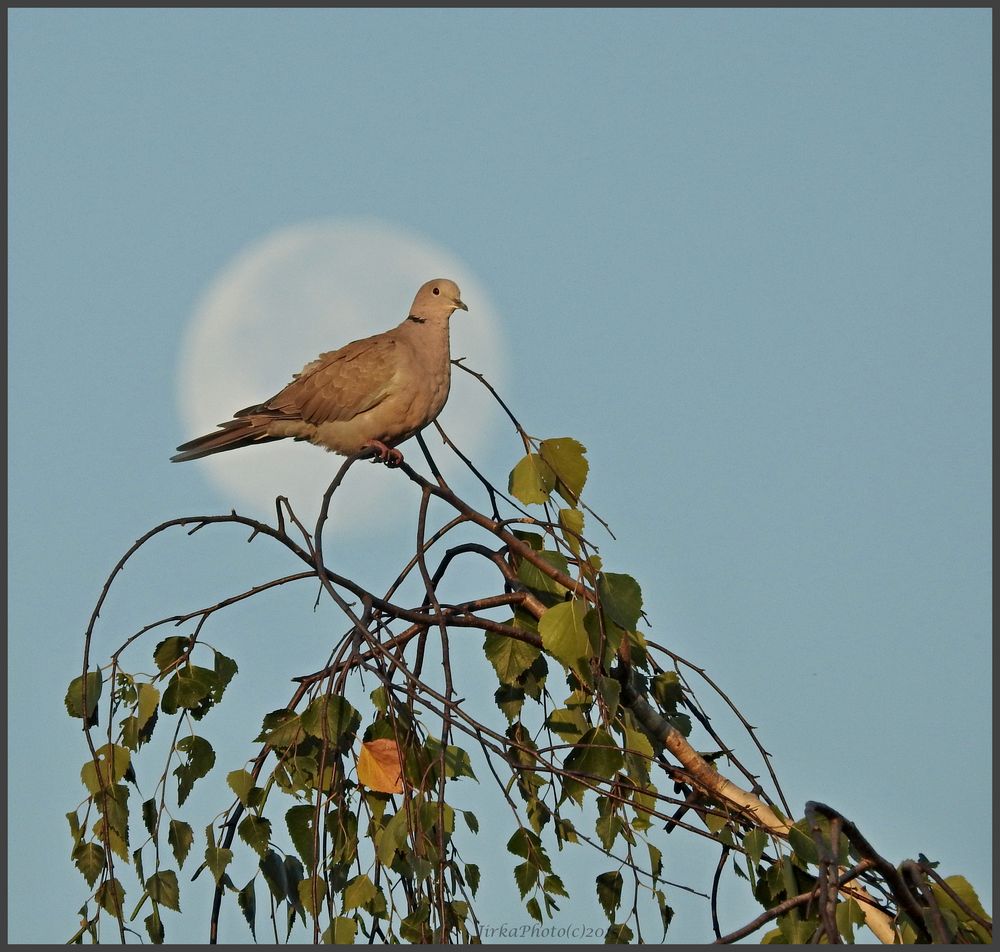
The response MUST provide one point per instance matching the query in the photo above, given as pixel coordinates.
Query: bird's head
(436, 299)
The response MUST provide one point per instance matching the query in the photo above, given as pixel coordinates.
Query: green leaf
(531, 539)
(146, 731)
(796, 931)
(755, 842)
(565, 457)
(605, 636)
(255, 831)
(608, 827)
(802, 843)
(655, 861)
(113, 762)
(180, 837)
(666, 913)
(74, 696)
(162, 888)
(274, 875)
(681, 723)
(337, 882)
(610, 690)
(563, 633)
(433, 813)
(308, 889)
(526, 876)
(149, 814)
(963, 889)
(666, 689)
(110, 896)
(241, 783)
(571, 523)
(533, 910)
(380, 701)
(89, 859)
(618, 934)
(169, 651)
(531, 480)
(637, 742)
(565, 832)
(554, 886)
(510, 700)
(538, 813)
(609, 893)
(113, 804)
(849, 915)
(470, 820)
(716, 822)
(509, 656)
(281, 728)
(534, 578)
(341, 931)
(568, 722)
(154, 926)
(75, 829)
(294, 874)
(359, 892)
(331, 717)
(111, 826)
(472, 877)
(187, 689)
(595, 754)
(638, 649)
(130, 733)
(247, 900)
(342, 825)
(528, 846)
(200, 689)
(392, 837)
(300, 821)
(225, 670)
(955, 916)
(149, 701)
(201, 759)
(217, 859)
(457, 762)
(533, 680)
(621, 598)
(644, 801)
(414, 927)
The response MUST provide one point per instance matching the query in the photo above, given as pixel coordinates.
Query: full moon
(302, 290)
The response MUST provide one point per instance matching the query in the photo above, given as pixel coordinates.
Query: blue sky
(743, 256)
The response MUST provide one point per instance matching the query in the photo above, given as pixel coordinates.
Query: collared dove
(360, 400)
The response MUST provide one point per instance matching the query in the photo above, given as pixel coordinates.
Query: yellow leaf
(378, 766)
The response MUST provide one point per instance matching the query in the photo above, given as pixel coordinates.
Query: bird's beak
(460, 305)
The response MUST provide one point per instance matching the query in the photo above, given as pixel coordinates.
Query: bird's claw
(384, 454)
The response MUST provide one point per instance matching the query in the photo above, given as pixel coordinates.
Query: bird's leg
(384, 454)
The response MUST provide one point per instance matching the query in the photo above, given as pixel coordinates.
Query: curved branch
(371, 645)
(900, 891)
(794, 902)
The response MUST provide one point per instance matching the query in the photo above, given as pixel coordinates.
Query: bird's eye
(437, 291)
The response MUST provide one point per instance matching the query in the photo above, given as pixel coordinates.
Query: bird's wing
(338, 385)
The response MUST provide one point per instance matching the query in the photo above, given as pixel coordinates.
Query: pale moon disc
(309, 288)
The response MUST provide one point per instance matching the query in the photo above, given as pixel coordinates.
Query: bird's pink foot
(384, 454)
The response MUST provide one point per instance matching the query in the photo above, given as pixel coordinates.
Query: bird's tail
(230, 435)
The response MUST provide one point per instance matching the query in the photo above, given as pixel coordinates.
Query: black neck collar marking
(417, 320)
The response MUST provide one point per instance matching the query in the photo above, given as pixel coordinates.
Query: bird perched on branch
(361, 400)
